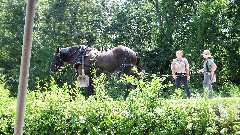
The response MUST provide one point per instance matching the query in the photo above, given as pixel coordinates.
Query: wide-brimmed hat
(207, 53)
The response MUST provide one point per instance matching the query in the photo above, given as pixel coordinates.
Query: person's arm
(173, 73)
(200, 70)
(187, 70)
(187, 74)
(173, 70)
(214, 67)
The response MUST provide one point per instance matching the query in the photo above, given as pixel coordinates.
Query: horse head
(57, 61)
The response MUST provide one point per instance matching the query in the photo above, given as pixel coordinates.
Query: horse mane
(65, 52)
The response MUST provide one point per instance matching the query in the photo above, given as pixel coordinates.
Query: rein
(167, 75)
(63, 59)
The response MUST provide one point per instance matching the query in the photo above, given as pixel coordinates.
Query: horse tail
(139, 64)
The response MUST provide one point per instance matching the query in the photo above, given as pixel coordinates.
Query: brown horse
(84, 58)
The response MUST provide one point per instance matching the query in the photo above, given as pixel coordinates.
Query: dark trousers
(182, 78)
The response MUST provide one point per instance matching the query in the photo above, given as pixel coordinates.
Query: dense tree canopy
(154, 28)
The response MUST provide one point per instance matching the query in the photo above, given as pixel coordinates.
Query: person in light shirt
(180, 71)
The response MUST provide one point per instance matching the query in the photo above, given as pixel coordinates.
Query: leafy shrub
(63, 110)
(230, 90)
(7, 111)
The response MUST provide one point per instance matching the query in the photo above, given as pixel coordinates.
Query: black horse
(84, 58)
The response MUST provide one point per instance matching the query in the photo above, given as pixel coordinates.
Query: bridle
(60, 58)
(59, 63)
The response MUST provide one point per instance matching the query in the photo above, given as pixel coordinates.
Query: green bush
(7, 111)
(63, 110)
(229, 89)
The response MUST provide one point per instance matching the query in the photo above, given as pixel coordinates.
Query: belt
(180, 73)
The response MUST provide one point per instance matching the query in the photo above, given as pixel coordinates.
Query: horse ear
(58, 49)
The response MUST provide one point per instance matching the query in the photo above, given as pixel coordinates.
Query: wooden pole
(24, 69)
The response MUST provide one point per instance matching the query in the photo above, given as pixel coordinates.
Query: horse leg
(127, 70)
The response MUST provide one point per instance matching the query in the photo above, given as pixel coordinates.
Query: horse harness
(84, 52)
(127, 62)
(81, 54)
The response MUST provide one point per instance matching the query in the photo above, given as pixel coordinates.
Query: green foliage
(7, 111)
(156, 29)
(11, 33)
(230, 89)
(63, 110)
